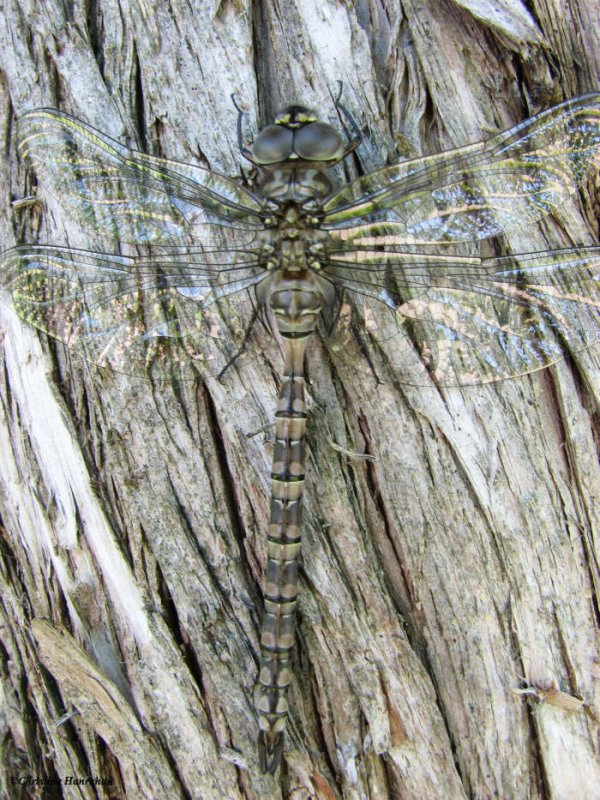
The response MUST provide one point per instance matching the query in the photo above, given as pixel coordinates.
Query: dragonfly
(385, 255)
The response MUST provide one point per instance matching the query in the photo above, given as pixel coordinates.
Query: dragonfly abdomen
(281, 577)
(296, 301)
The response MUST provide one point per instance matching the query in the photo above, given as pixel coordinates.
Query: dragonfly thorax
(293, 242)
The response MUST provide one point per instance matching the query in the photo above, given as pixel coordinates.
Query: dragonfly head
(297, 135)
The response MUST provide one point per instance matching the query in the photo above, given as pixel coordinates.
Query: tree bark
(448, 616)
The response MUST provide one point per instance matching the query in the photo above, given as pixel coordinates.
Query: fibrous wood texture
(448, 642)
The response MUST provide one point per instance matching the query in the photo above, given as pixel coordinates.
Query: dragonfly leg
(357, 135)
(244, 344)
(240, 134)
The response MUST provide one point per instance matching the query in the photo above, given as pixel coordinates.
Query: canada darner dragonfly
(395, 240)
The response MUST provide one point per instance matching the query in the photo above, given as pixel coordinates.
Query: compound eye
(273, 144)
(318, 142)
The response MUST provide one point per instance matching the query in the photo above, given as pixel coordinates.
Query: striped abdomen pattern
(296, 301)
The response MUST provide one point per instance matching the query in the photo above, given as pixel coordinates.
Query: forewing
(123, 194)
(474, 192)
(463, 321)
(176, 315)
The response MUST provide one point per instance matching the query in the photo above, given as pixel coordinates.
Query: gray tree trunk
(448, 643)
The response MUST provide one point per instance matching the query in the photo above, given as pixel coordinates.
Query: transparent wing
(474, 192)
(461, 321)
(175, 315)
(123, 194)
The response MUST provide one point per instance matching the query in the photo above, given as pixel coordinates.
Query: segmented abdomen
(281, 575)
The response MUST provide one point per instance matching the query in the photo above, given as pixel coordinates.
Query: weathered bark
(457, 569)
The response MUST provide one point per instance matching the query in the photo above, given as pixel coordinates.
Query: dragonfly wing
(463, 321)
(169, 317)
(477, 191)
(123, 194)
